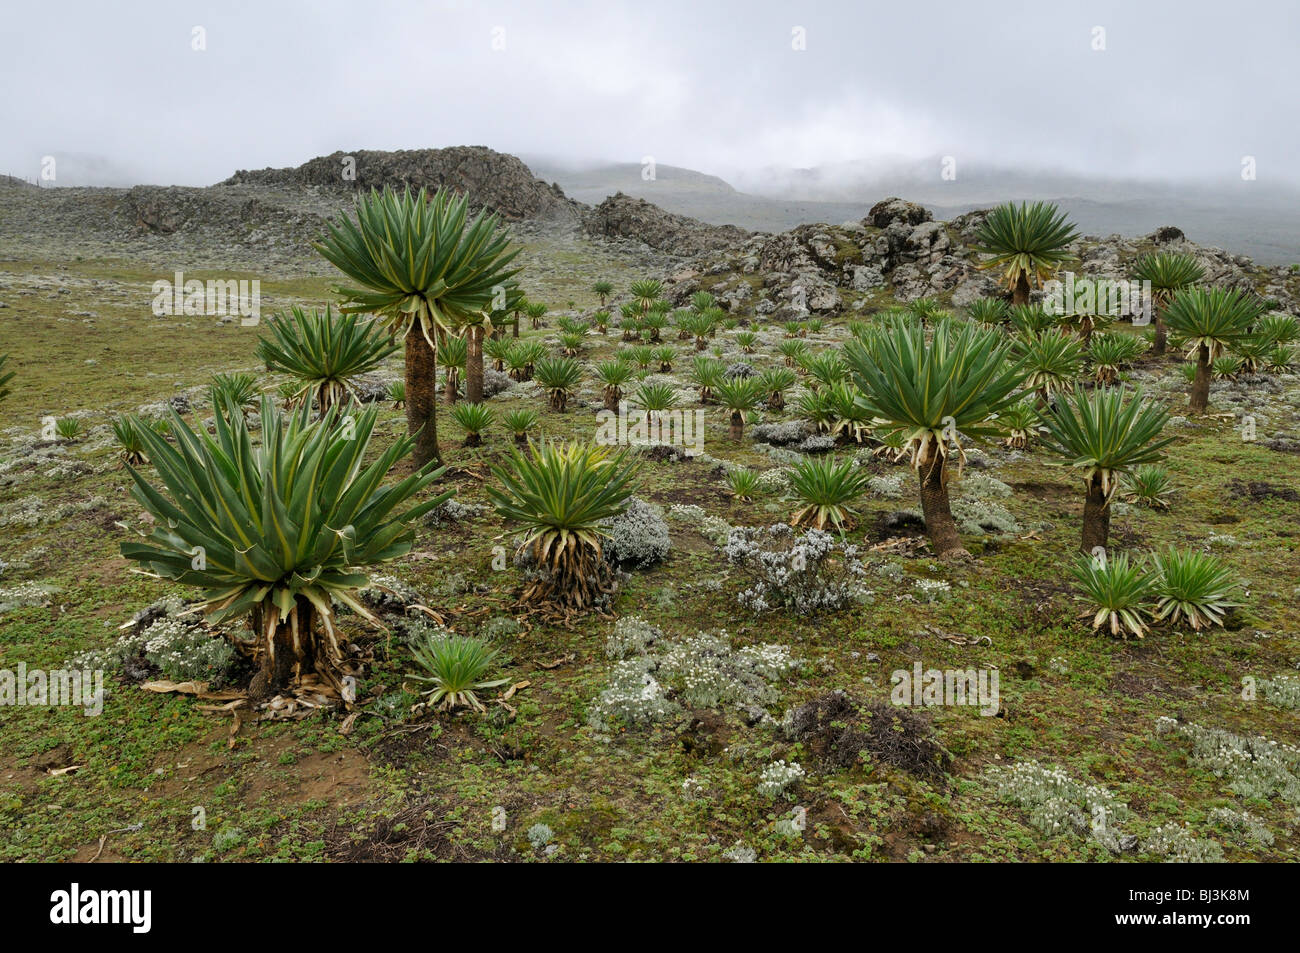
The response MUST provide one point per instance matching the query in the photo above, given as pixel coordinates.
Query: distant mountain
(1249, 218)
(687, 192)
(592, 183)
(1252, 218)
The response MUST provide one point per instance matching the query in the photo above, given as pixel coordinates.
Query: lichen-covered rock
(888, 211)
(621, 216)
(865, 277)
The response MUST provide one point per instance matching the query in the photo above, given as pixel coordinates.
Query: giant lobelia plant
(560, 494)
(933, 387)
(1105, 434)
(278, 533)
(323, 352)
(423, 267)
(1028, 242)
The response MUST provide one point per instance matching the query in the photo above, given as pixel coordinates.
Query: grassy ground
(156, 778)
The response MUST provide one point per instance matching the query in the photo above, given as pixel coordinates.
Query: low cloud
(1164, 91)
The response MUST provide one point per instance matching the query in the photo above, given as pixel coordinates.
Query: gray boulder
(893, 209)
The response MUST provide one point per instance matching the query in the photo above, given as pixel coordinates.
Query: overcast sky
(1181, 89)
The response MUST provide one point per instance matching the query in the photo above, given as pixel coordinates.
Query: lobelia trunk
(1096, 517)
(1159, 344)
(737, 426)
(1200, 399)
(612, 397)
(326, 399)
(285, 657)
(939, 524)
(1020, 295)
(474, 364)
(422, 397)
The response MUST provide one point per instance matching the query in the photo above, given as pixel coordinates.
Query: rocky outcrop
(493, 180)
(899, 253)
(1107, 258)
(291, 206)
(888, 211)
(155, 209)
(814, 268)
(623, 217)
(165, 210)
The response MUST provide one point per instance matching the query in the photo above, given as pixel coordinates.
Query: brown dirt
(841, 732)
(1046, 491)
(706, 736)
(420, 830)
(408, 743)
(1257, 491)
